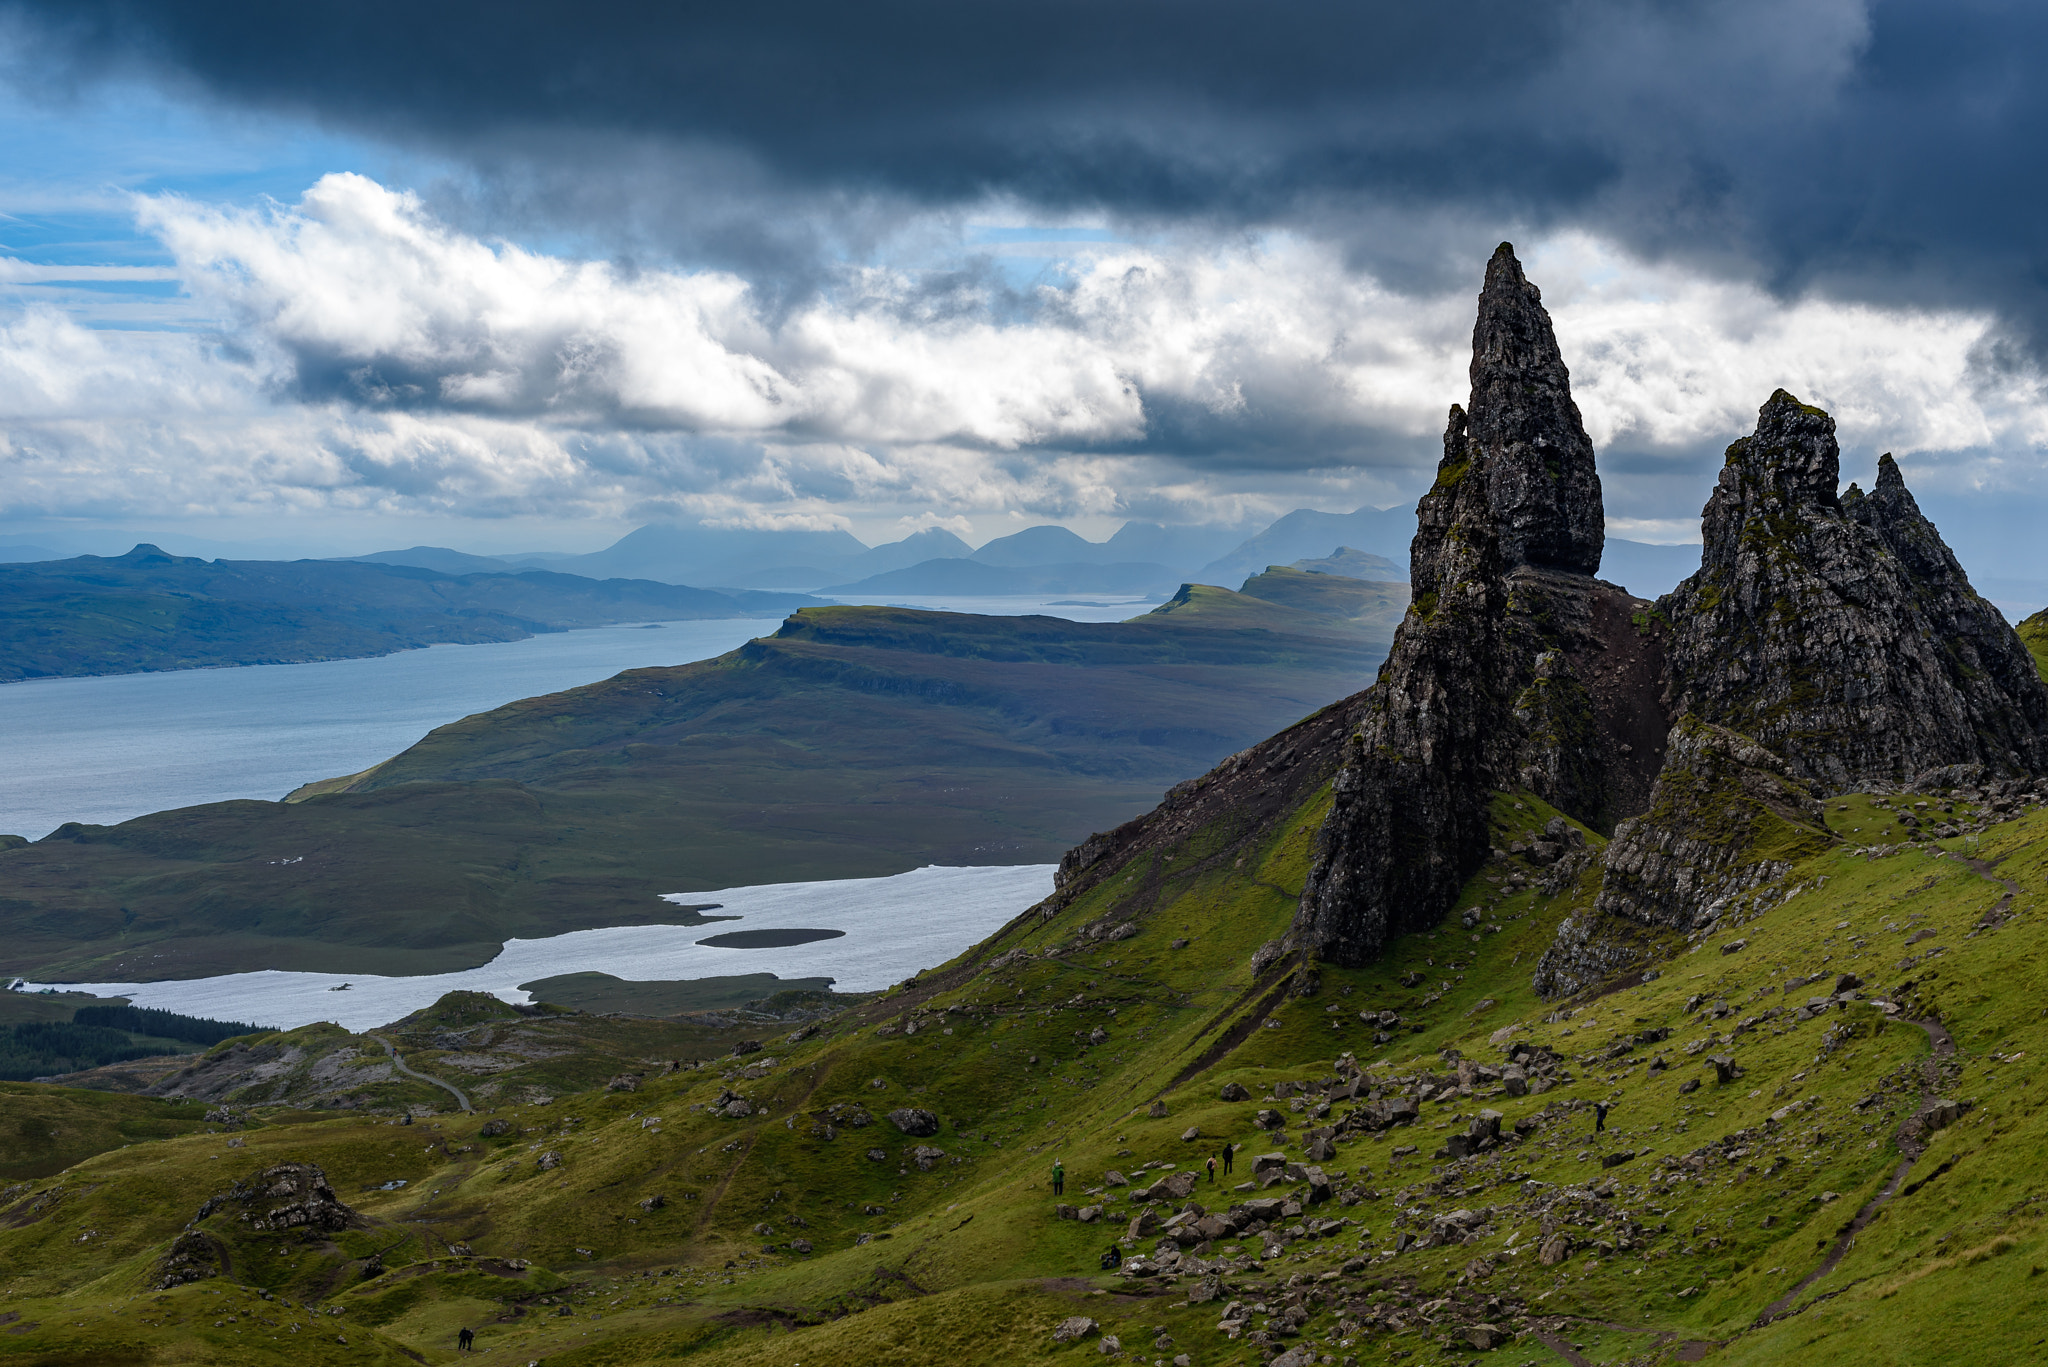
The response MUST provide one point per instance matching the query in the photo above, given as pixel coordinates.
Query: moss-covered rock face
(1843, 634)
(1726, 817)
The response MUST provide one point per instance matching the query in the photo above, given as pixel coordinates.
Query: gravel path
(399, 1064)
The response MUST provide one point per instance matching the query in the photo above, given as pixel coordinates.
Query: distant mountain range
(150, 611)
(1142, 559)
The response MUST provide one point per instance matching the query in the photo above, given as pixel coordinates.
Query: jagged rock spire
(1842, 633)
(1488, 685)
(1523, 436)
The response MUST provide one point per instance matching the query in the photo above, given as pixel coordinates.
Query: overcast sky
(523, 275)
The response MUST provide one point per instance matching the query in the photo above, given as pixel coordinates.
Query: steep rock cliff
(1841, 633)
(1514, 668)
(1725, 817)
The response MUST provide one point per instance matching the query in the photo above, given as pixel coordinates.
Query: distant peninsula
(147, 610)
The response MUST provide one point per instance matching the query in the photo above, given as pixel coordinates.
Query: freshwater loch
(889, 928)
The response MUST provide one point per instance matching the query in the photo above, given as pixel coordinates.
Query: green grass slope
(765, 1209)
(854, 742)
(2033, 633)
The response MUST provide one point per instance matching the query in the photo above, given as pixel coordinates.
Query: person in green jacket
(1059, 1178)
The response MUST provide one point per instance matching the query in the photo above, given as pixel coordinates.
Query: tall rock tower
(1514, 669)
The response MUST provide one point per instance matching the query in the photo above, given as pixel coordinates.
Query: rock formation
(1826, 644)
(1514, 669)
(1725, 817)
(1841, 633)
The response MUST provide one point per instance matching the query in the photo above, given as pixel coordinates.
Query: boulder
(926, 1157)
(285, 1196)
(494, 1128)
(1190, 1134)
(1073, 1328)
(1113, 1178)
(1235, 1092)
(1725, 1070)
(914, 1121)
(1270, 1120)
(1554, 1249)
(1487, 1337)
(1143, 1225)
(548, 1161)
(1157, 1110)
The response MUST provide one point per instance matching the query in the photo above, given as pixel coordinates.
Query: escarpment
(1514, 668)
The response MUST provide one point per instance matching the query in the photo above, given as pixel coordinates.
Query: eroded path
(400, 1065)
(1909, 1144)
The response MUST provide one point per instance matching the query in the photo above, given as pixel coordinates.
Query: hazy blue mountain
(972, 579)
(23, 554)
(1047, 545)
(1185, 548)
(1307, 534)
(933, 543)
(1644, 569)
(712, 556)
(436, 558)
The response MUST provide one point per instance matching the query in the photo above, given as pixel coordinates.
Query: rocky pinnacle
(1491, 681)
(1842, 633)
(1542, 490)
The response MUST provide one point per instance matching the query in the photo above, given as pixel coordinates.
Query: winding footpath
(1911, 1146)
(400, 1065)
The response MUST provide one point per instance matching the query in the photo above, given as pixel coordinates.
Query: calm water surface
(106, 749)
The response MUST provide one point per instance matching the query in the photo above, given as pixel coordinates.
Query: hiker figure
(1212, 1170)
(1228, 1150)
(407, 1120)
(465, 1341)
(1113, 1259)
(1059, 1178)
(1599, 1116)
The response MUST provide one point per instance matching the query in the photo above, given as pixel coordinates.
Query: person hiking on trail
(1059, 1178)
(1599, 1116)
(465, 1341)
(1228, 1150)
(1212, 1170)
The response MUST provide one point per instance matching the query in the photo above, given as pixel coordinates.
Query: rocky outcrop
(1826, 644)
(1725, 817)
(286, 1196)
(1840, 632)
(1514, 668)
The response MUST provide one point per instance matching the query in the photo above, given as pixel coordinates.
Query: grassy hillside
(148, 611)
(2033, 633)
(854, 742)
(671, 1223)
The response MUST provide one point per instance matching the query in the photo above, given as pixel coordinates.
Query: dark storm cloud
(1892, 151)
